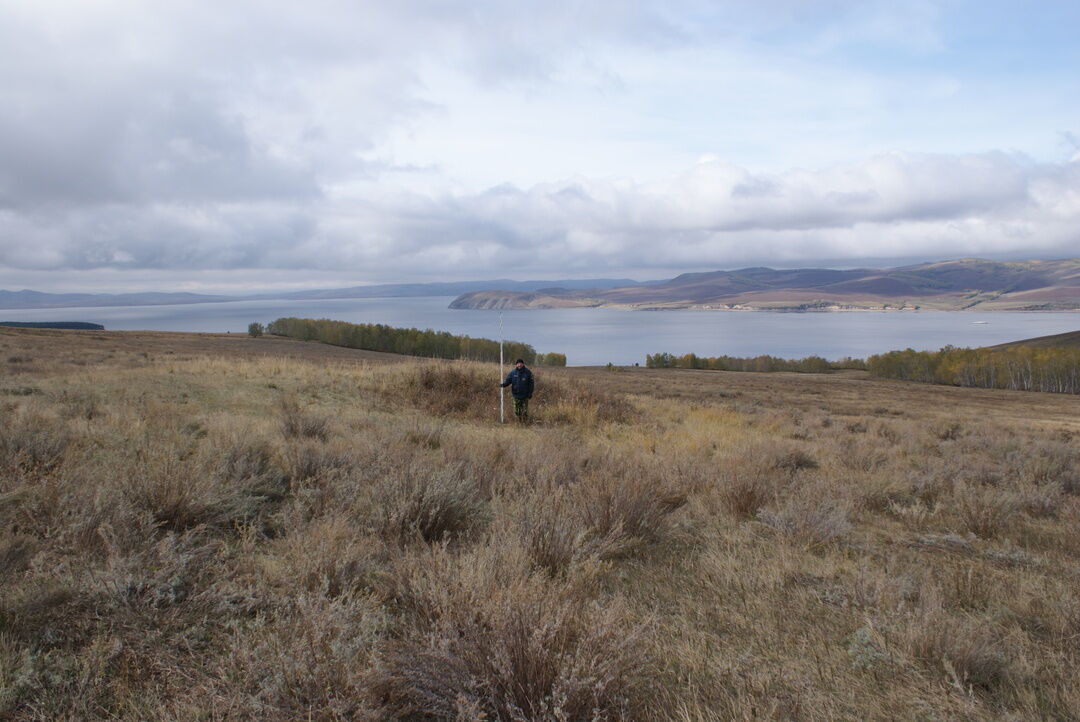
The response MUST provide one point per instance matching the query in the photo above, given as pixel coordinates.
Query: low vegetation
(409, 341)
(309, 535)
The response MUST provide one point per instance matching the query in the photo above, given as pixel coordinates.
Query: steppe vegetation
(210, 527)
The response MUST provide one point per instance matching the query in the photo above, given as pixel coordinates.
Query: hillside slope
(1069, 339)
(966, 284)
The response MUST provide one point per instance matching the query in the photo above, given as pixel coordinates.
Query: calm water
(591, 336)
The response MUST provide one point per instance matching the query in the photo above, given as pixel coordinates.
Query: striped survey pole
(502, 393)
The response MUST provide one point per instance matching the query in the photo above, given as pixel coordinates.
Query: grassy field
(198, 526)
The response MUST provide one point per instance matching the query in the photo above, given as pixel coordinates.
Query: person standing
(520, 381)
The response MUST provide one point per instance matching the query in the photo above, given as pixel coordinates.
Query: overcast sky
(237, 146)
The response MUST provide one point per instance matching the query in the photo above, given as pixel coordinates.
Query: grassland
(218, 527)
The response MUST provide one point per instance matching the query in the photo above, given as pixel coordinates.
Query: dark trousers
(521, 409)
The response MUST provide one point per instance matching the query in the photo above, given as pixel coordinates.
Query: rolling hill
(965, 284)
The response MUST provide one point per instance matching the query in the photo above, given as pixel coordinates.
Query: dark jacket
(520, 382)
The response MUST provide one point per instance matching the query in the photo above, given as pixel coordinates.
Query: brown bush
(794, 460)
(307, 460)
(947, 430)
(1043, 501)
(305, 659)
(496, 642)
(296, 423)
(549, 528)
(966, 652)
(1051, 462)
(624, 510)
(984, 511)
(15, 554)
(429, 505)
(809, 522)
(32, 443)
(747, 490)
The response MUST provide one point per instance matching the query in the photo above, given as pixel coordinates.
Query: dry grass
(212, 527)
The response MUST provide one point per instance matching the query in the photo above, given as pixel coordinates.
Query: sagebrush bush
(307, 460)
(32, 443)
(623, 509)
(15, 553)
(298, 423)
(985, 511)
(498, 642)
(549, 528)
(744, 491)
(965, 652)
(807, 521)
(417, 504)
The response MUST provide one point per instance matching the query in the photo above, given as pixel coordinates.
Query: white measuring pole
(502, 393)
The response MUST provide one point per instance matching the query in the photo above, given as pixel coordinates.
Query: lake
(592, 336)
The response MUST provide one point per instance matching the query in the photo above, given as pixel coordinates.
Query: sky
(243, 146)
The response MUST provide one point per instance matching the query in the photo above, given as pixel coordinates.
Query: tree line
(408, 341)
(765, 363)
(1023, 368)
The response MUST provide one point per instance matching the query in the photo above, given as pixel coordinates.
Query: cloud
(713, 214)
(419, 139)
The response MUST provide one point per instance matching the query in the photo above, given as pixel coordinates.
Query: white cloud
(389, 141)
(712, 215)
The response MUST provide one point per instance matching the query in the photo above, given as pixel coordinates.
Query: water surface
(590, 336)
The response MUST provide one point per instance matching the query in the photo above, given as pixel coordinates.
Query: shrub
(623, 511)
(743, 493)
(550, 530)
(984, 511)
(487, 640)
(306, 660)
(947, 430)
(298, 424)
(794, 460)
(33, 443)
(810, 523)
(312, 460)
(968, 652)
(429, 505)
(15, 554)
(175, 494)
(1043, 501)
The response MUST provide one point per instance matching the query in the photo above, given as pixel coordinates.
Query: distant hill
(965, 284)
(1070, 339)
(391, 290)
(37, 299)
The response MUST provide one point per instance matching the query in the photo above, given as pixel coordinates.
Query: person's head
(520, 363)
